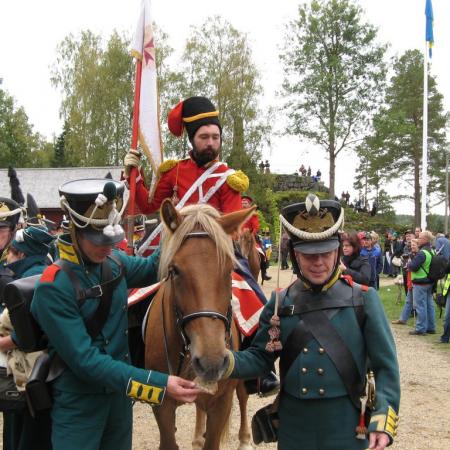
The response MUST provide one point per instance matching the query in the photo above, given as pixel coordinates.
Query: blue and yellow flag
(429, 26)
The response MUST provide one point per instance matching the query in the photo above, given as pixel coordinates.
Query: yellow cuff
(387, 423)
(230, 367)
(145, 393)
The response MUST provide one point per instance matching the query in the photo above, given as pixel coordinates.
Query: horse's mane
(196, 218)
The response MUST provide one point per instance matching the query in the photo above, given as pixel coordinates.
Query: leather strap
(324, 332)
(96, 322)
(315, 323)
(294, 344)
(300, 307)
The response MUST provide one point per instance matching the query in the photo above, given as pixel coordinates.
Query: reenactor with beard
(201, 178)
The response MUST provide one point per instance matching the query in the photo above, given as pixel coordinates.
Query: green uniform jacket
(313, 374)
(102, 365)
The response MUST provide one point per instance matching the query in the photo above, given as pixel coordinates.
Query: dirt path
(424, 411)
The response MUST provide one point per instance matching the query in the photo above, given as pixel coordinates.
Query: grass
(388, 295)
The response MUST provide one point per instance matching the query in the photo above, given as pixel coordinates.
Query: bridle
(183, 319)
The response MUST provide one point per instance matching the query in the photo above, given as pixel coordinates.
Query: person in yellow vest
(423, 286)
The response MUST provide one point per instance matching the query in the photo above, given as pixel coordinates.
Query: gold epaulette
(167, 165)
(238, 181)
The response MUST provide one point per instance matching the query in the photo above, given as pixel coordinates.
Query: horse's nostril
(197, 364)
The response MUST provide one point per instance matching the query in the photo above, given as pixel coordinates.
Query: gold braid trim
(166, 166)
(387, 423)
(238, 181)
(200, 116)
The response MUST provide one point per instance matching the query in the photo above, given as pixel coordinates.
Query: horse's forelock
(195, 218)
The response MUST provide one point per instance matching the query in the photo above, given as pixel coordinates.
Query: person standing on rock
(329, 327)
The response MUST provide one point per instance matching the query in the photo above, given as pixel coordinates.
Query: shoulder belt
(340, 295)
(96, 322)
(314, 323)
(198, 182)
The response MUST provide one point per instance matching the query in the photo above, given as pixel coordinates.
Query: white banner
(144, 50)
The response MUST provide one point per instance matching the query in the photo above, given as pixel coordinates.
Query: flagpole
(423, 222)
(134, 143)
(446, 191)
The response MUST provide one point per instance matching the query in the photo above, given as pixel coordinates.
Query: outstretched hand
(182, 390)
(378, 440)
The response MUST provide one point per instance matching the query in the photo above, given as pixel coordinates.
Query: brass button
(321, 350)
(304, 370)
(305, 350)
(304, 391)
(321, 391)
(320, 371)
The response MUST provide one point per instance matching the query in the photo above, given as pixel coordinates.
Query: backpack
(438, 266)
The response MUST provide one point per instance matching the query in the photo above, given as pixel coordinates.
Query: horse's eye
(174, 270)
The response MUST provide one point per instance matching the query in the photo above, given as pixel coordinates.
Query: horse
(189, 324)
(247, 244)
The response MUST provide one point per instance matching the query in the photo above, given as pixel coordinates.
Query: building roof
(43, 184)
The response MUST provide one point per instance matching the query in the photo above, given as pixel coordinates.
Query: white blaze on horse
(190, 325)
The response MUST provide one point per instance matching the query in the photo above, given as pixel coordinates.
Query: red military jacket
(252, 224)
(176, 177)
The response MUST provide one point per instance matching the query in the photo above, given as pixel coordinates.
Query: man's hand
(132, 159)
(182, 390)
(378, 440)
(342, 266)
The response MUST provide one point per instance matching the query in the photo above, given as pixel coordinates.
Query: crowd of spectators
(303, 172)
(405, 257)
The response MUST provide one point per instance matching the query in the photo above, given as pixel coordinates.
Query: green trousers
(325, 424)
(91, 421)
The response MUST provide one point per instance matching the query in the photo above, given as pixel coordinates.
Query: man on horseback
(80, 304)
(328, 331)
(201, 178)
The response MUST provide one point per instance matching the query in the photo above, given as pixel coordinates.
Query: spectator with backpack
(423, 286)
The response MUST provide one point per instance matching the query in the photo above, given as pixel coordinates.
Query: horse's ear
(169, 215)
(231, 222)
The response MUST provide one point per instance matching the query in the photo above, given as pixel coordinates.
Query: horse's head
(197, 259)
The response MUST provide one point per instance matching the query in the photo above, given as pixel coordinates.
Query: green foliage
(334, 75)
(219, 65)
(435, 223)
(394, 151)
(96, 81)
(19, 145)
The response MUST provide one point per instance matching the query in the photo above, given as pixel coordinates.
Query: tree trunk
(417, 212)
(332, 171)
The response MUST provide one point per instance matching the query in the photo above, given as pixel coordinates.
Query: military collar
(326, 286)
(67, 250)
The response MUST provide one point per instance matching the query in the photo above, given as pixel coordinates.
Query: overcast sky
(31, 29)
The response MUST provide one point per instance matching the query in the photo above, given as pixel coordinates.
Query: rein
(182, 320)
